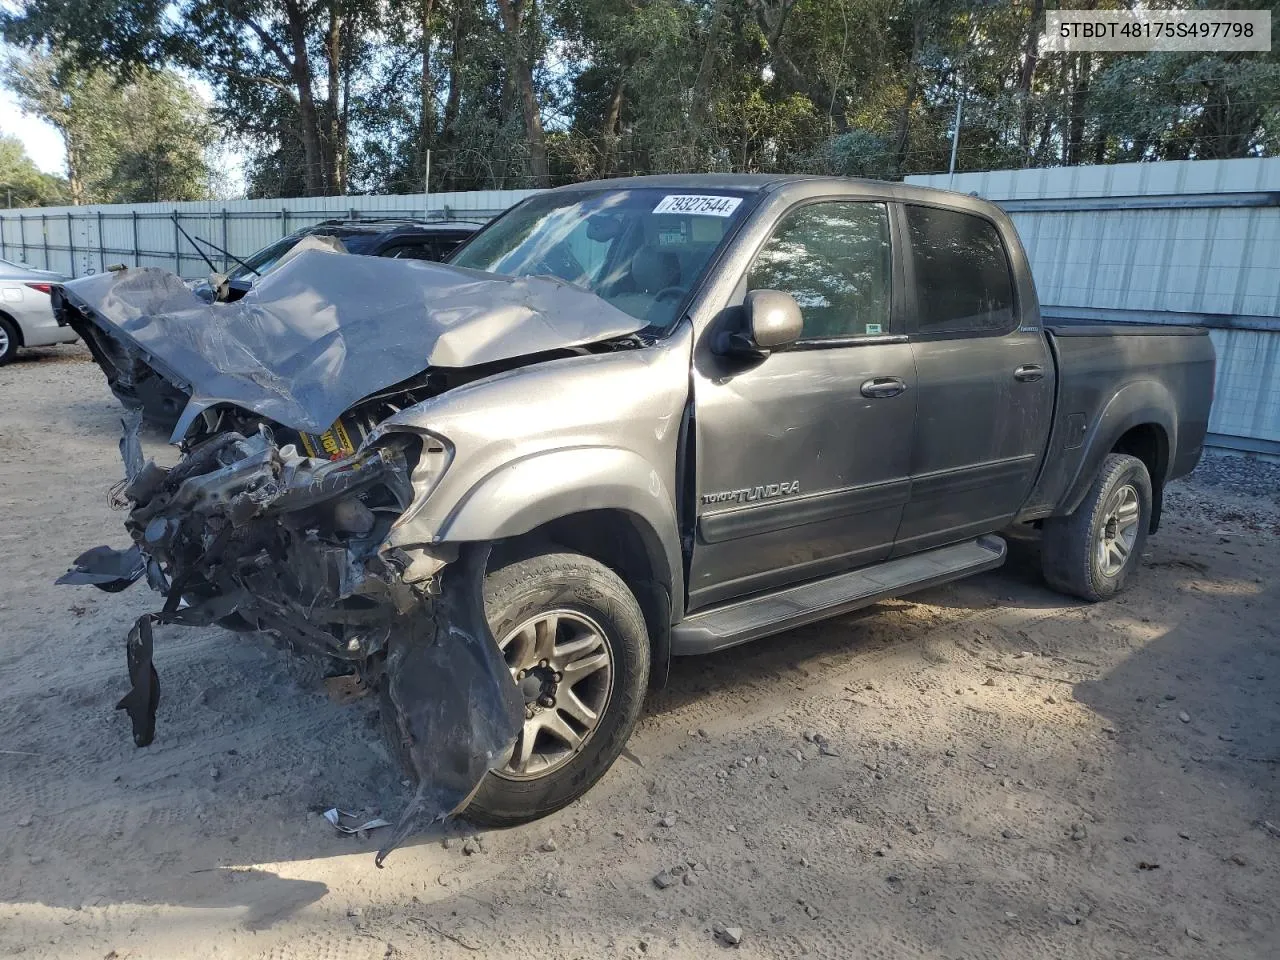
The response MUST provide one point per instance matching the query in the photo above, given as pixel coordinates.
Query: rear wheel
(1093, 552)
(9, 339)
(574, 639)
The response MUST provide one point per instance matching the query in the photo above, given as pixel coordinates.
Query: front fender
(1133, 405)
(524, 495)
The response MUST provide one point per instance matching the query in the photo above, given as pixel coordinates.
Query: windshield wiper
(232, 256)
(193, 243)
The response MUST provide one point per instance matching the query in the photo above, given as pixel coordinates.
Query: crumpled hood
(325, 331)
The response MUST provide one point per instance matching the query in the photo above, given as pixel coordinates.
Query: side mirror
(772, 321)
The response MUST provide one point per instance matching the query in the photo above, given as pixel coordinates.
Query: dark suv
(371, 237)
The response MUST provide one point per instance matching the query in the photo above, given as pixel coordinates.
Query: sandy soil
(998, 772)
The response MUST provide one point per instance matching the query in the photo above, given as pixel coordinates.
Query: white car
(26, 318)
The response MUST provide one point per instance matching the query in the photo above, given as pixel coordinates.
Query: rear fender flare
(1133, 405)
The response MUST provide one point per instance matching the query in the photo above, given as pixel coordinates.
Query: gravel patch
(1241, 475)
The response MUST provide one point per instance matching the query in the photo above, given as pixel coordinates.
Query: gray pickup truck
(631, 420)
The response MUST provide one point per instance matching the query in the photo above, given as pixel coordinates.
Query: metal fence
(1182, 242)
(75, 241)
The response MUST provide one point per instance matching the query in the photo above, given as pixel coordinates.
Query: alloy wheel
(1119, 530)
(563, 666)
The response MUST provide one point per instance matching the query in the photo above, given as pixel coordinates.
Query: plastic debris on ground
(344, 821)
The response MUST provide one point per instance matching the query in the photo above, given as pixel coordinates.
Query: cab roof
(766, 183)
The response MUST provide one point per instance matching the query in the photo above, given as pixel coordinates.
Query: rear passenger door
(985, 384)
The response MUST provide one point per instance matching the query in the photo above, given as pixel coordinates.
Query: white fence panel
(75, 241)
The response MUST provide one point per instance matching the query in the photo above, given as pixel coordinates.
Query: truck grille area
(253, 535)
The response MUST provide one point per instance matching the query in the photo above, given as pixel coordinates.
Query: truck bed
(1112, 377)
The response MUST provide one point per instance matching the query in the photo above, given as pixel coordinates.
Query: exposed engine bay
(271, 523)
(254, 536)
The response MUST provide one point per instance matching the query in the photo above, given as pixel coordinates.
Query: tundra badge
(751, 494)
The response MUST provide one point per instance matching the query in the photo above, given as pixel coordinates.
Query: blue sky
(43, 144)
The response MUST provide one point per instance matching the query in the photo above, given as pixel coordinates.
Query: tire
(10, 338)
(588, 596)
(1088, 553)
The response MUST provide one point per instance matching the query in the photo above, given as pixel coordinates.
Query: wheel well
(1149, 443)
(17, 327)
(622, 542)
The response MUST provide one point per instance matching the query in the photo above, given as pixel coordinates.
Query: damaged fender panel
(456, 708)
(106, 568)
(310, 339)
(249, 534)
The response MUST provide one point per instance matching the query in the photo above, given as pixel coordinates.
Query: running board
(758, 617)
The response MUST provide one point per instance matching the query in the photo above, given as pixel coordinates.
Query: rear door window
(962, 279)
(834, 258)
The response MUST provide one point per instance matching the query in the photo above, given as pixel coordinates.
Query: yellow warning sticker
(334, 444)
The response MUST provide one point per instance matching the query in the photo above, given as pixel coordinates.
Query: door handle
(880, 387)
(1028, 373)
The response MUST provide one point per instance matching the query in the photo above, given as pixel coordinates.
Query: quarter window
(833, 257)
(962, 273)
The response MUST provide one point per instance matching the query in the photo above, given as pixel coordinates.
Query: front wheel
(1093, 552)
(575, 641)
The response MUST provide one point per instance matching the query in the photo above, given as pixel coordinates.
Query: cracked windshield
(641, 250)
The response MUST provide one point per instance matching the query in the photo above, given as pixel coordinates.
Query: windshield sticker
(673, 235)
(705, 206)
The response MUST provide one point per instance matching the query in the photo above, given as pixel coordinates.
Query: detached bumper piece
(254, 536)
(143, 698)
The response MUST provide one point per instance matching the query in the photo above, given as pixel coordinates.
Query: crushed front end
(251, 531)
(297, 508)
(258, 536)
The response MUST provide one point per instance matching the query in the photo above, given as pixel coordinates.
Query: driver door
(803, 458)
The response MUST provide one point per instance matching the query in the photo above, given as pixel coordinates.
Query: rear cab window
(962, 278)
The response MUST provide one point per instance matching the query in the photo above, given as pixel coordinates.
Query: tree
(336, 96)
(519, 30)
(162, 140)
(69, 98)
(272, 56)
(1164, 106)
(22, 184)
(138, 138)
(249, 50)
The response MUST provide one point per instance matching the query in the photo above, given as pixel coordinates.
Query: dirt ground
(986, 770)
